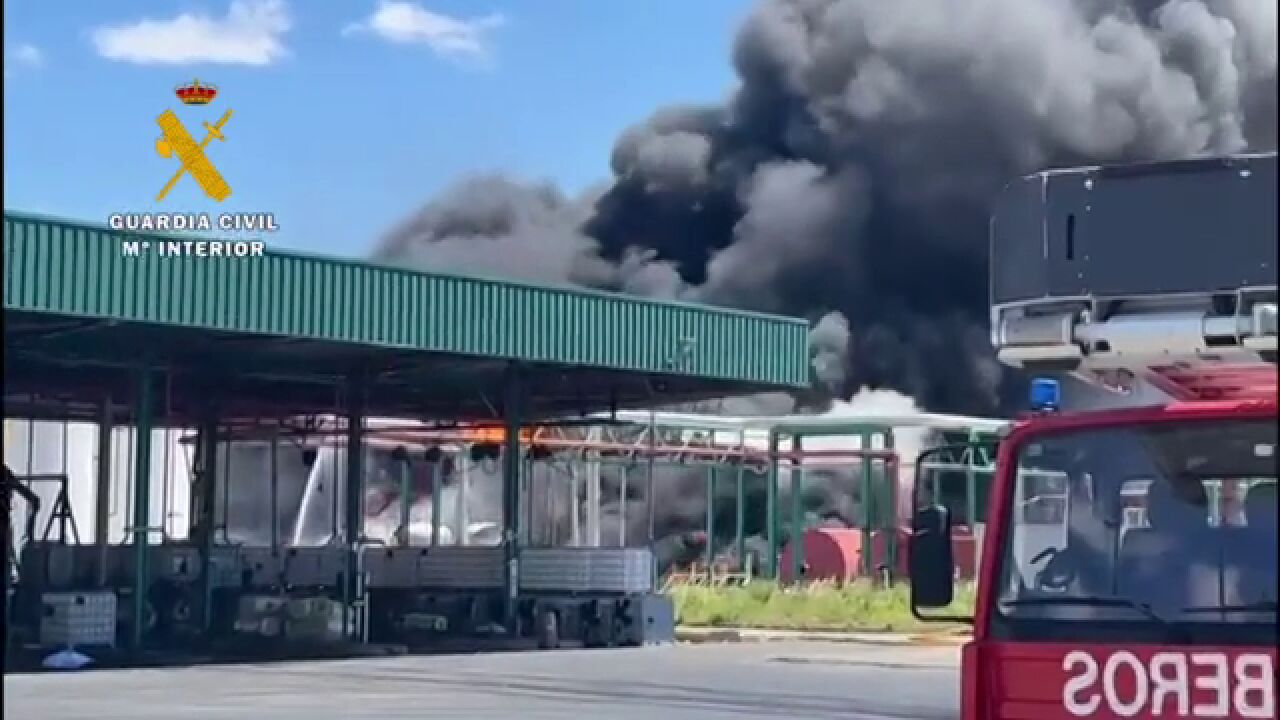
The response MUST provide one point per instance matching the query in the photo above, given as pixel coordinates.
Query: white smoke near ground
(869, 404)
(831, 491)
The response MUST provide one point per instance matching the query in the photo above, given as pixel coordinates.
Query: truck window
(1175, 520)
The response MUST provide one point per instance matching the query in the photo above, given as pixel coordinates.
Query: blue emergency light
(1046, 395)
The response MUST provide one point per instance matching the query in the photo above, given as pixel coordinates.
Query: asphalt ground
(783, 680)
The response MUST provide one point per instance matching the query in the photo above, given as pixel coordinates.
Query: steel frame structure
(641, 439)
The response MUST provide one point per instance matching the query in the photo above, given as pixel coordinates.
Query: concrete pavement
(781, 679)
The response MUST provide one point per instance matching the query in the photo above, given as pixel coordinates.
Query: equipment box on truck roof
(1154, 229)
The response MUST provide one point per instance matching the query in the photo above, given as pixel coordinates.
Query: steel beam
(740, 516)
(891, 473)
(771, 507)
(102, 498)
(405, 470)
(971, 503)
(711, 517)
(575, 508)
(461, 511)
(592, 469)
(353, 520)
(204, 499)
(437, 485)
(512, 414)
(797, 512)
(141, 500)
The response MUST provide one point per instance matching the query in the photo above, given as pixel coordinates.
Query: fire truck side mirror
(931, 566)
(942, 472)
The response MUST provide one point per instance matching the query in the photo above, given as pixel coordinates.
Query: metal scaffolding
(627, 441)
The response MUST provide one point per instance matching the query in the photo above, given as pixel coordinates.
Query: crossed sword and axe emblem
(177, 140)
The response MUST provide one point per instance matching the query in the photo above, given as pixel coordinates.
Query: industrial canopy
(284, 332)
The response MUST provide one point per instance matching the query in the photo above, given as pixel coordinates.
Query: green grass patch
(857, 606)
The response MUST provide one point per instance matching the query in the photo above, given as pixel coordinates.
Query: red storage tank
(831, 553)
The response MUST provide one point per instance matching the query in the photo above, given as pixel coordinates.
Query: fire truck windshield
(1137, 531)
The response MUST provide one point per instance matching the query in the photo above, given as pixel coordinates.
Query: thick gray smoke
(852, 169)
(848, 180)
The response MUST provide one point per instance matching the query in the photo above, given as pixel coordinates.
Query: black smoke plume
(848, 180)
(852, 169)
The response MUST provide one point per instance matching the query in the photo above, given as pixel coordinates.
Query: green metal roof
(55, 267)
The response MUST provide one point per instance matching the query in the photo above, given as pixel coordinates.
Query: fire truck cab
(1129, 564)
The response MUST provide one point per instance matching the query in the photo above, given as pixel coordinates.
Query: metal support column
(204, 498)
(740, 513)
(274, 501)
(711, 517)
(102, 499)
(797, 511)
(592, 468)
(437, 484)
(462, 496)
(512, 412)
(771, 507)
(141, 501)
(890, 522)
(405, 471)
(575, 507)
(353, 518)
(868, 505)
(971, 497)
(650, 502)
(624, 477)
(528, 503)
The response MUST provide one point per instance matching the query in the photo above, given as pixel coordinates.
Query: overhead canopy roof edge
(78, 290)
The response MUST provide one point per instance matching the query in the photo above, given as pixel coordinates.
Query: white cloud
(408, 23)
(24, 56)
(250, 34)
(28, 55)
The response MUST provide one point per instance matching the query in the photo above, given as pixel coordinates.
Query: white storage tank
(55, 448)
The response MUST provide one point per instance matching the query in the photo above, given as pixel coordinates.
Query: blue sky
(348, 114)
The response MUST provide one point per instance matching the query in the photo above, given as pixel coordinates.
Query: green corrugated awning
(78, 295)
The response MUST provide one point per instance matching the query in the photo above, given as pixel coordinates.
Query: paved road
(688, 682)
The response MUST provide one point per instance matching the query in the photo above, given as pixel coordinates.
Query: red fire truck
(1144, 299)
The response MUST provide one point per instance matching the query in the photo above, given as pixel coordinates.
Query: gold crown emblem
(196, 93)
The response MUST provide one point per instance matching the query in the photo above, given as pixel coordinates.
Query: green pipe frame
(740, 504)
(711, 516)
(878, 486)
(740, 517)
(798, 433)
(771, 507)
(796, 535)
(891, 474)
